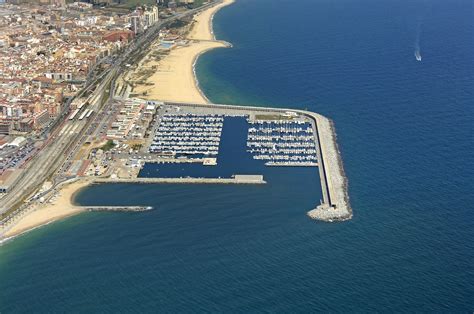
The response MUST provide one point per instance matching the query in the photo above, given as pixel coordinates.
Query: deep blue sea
(405, 129)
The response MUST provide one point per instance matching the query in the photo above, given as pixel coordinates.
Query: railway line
(65, 136)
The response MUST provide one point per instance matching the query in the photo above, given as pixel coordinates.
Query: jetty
(335, 205)
(235, 179)
(117, 208)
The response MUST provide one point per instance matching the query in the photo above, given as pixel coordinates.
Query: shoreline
(204, 28)
(175, 78)
(196, 80)
(43, 214)
(16, 235)
(210, 23)
(335, 208)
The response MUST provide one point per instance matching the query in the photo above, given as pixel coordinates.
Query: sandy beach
(62, 207)
(174, 79)
(202, 29)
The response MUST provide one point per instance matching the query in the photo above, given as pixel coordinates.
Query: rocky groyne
(117, 208)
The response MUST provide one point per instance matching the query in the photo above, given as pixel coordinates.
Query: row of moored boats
(282, 142)
(195, 135)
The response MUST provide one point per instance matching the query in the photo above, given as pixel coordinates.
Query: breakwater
(336, 206)
(117, 208)
(236, 179)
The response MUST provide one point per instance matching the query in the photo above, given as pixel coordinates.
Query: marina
(212, 141)
(282, 142)
(230, 158)
(182, 135)
(191, 135)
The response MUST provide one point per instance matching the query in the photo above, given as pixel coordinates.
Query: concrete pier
(290, 164)
(237, 179)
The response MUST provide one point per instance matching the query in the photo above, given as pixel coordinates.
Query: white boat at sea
(417, 55)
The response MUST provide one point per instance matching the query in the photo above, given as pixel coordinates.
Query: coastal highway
(65, 138)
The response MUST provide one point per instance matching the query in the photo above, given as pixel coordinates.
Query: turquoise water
(405, 130)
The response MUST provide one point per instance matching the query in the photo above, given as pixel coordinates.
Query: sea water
(405, 132)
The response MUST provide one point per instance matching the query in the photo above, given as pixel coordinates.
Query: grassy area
(179, 23)
(198, 3)
(131, 4)
(117, 10)
(137, 146)
(108, 146)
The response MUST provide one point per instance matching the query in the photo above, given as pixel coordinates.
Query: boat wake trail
(417, 42)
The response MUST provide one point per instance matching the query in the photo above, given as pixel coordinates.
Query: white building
(140, 19)
(151, 16)
(17, 142)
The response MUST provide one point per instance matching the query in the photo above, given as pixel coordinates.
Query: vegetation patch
(137, 146)
(108, 146)
(271, 117)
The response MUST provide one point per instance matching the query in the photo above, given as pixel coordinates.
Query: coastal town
(93, 94)
(49, 51)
